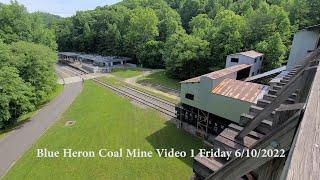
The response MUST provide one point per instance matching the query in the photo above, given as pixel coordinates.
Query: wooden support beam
(284, 112)
(285, 93)
(303, 160)
(271, 170)
(279, 138)
(282, 94)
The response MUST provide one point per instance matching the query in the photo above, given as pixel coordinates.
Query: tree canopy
(27, 57)
(145, 30)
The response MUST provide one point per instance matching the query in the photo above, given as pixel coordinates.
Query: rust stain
(236, 89)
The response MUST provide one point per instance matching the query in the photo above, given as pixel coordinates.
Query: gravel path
(15, 143)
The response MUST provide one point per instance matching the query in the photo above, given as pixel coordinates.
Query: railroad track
(159, 104)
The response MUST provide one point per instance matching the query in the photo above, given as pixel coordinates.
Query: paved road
(18, 141)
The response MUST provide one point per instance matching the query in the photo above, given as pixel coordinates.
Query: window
(255, 60)
(189, 96)
(235, 60)
(252, 74)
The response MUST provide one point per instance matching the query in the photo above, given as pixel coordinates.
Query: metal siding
(302, 42)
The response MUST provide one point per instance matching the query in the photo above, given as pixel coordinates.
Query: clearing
(160, 78)
(106, 120)
(126, 72)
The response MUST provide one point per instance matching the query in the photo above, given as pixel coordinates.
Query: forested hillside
(27, 56)
(188, 37)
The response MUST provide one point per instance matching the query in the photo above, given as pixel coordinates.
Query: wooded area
(188, 37)
(27, 56)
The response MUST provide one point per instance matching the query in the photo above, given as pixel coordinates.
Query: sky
(63, 8)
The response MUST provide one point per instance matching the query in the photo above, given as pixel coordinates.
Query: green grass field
(24, 118)
(162, 79)
(106, 120)
(126, 72)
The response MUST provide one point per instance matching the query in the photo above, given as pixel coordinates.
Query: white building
(252, 58)
(304, 41)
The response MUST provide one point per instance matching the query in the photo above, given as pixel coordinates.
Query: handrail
(304, 160)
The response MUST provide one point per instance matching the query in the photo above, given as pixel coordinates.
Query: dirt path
(15, 143)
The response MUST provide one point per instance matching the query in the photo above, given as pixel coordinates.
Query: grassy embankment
(119, 83)
(106, 120)
(24, 118)
(162, 79)
(126, 72)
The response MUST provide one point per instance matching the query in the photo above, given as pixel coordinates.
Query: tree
(266, 21)
(313, 14)
(175, 4)
(63, 31)
(274, 51)
(169, 19)
(35, 64)
(227, 37)
(16, 96)
(16, 24)
(298, 12)
(82, 33)
(201, 26)
(142, 28)
(41, 34)
(150, 54)
(186, 56)
(189, 9)
(109, 28)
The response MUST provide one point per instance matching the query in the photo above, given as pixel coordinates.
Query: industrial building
(211, 101)
(283, 119)
(93, 63)
(304, 41)
(253, 58)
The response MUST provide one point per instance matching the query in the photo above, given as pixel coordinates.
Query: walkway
(15, 143)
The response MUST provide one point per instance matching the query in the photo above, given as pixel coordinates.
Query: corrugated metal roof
(96, 58)
(219, 73)
(252, 54)
(192, 80)
(226, 71)
(241, 90)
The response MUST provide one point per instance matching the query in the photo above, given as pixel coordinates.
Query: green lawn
(126, 72)
(162, 79)
(106, 120)
(24, 118)
(119, 83)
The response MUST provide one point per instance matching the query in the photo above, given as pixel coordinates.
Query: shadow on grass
(171, 137)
